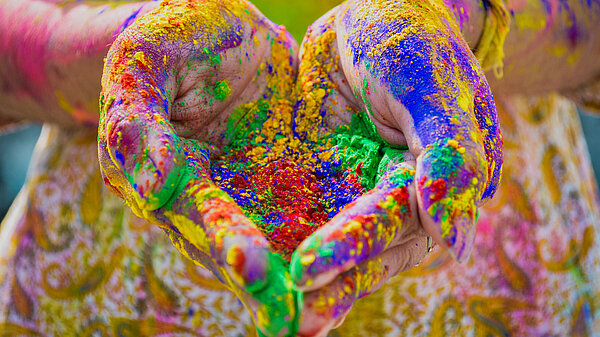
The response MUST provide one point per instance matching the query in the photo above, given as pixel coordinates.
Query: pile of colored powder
(289, 172)
(288, 189)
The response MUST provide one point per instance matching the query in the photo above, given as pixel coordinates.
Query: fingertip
(162, 196)
(302, 259)
(148, 156)
(296, 268)
(456, 235)
(309, 272)
(280, 304)
(249, 267)
(263, 276)
(300, 262)
(313, 264)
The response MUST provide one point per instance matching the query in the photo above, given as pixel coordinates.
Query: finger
(328, 305)
(275, 308)
(210, 220)
(458, 169)
(428, 85)
(380, 219)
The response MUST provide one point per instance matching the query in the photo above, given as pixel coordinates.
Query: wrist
(470, 16)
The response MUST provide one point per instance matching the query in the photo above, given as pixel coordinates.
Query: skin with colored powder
(296, 158)
(284, 154)
(165, 177)
(447, 153)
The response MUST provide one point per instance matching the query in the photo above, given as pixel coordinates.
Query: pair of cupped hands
(174, 77)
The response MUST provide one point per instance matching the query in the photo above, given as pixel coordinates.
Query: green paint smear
(276, 300)
(401, 178)
(214, 58)
(359, 143)
(244, 121)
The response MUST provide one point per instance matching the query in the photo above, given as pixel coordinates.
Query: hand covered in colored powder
(170, 82)
(405, 64)
(177, 79)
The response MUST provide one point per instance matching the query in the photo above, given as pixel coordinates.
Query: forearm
(551, 45)
(51, 57)
(554, 47)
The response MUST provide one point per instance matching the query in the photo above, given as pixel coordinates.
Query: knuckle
(408, 256)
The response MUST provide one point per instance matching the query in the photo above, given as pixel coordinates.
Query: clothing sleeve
(587, 96)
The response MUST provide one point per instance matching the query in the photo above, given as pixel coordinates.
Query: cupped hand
(405, 64)
(170, 83)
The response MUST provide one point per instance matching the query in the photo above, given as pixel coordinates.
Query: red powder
(438, 190)
(294, 194)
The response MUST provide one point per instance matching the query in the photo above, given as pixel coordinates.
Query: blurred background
(17, 144)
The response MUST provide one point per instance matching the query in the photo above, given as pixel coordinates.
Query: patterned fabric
(75, 261)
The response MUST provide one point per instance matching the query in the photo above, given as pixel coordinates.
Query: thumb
(449, 184)
(457, 170)
(136, 138)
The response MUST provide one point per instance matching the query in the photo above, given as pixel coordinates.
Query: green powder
(222, 90)
(360, 144)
